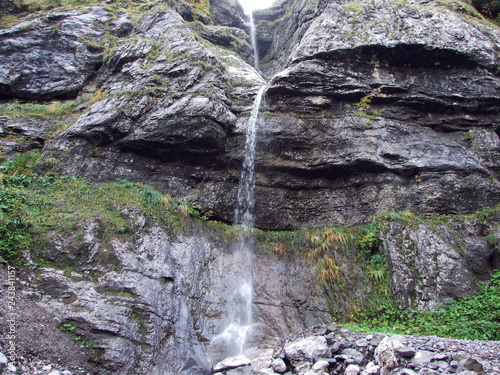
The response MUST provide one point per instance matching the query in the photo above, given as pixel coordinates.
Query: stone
(319, 368)
(307, 349)
(406, 371)
(352, 370)
(406, 352)
(427, 371)
(261, 363)
(279, 365)
(385, 354)
(440, 356)
(352, 353)
(422, 357)
(470, 364)
(362, 343)
(50, 69)
(336, 347)
(55, 372)
(376, 339)
(371, 369)
(232, 363)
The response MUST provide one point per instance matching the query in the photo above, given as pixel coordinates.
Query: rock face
(371, 106)
(154, 303)
(52, 57)
(366, 111)
(425, 263)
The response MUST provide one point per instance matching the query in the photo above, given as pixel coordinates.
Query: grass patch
(36, 203)
(17, 108)
(473, 318)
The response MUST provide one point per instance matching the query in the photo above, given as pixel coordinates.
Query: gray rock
(426, 371)
(470, 364)
(319, 368)
(352, 370)
(352, 353)
(432, 257)
(232, 363)
(55, 59)
(385, 354)
(422, 357)
(307, 349)
(371, 369)
(376, 339)
(406, 352)
(362, 343)
(406, 371)
(279, 365)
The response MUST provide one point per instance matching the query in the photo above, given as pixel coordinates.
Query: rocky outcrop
(372, 106)
(53, 57)
(430, 263)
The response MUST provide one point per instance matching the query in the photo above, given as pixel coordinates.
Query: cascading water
(239, 308)
(253, 41)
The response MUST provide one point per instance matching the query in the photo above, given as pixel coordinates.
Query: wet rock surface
(355, 353)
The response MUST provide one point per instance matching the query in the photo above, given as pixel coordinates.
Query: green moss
(8, 20)
(120, 292)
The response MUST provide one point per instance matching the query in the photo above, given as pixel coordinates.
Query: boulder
(386, 354)
(307, 349)
(232, 363)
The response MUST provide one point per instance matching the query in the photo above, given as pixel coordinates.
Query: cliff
(372, 107)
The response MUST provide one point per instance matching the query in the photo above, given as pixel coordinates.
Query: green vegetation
(201, 7)
(477, 317)
(36, 109)
(473, 318)
(67, 327)
(8, 20)
(364, 107)
(35, 202)
(489, 8)
(352, 8)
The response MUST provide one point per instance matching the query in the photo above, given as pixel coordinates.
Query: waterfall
(239, 304)
(253, 41)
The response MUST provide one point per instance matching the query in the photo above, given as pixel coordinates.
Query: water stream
(253, 41)
(239, 305)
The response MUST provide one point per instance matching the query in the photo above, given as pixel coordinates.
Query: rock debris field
(329, 350)
(324, 350)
